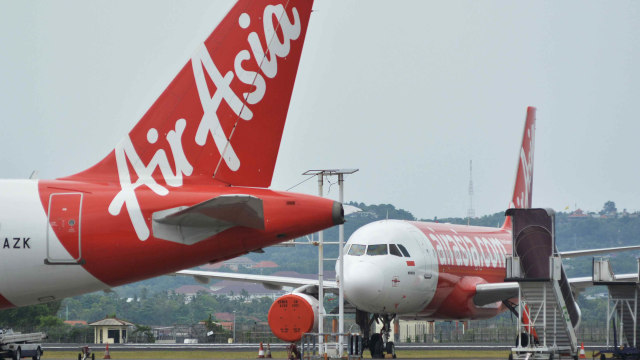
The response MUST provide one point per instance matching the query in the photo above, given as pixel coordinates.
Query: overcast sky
(406, 91)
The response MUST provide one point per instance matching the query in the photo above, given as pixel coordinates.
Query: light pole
(339, 276)
(234, 326)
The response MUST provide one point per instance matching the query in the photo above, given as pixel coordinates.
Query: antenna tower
(471, 213)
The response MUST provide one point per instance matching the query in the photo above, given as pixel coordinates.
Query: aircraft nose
(363, 282)
(337, 213)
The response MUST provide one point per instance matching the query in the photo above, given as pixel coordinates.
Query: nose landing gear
(378, 343)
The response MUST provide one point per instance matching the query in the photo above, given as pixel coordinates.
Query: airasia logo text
(203, 65)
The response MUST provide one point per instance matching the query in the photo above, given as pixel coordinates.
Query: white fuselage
(388, 283)
(27, 241)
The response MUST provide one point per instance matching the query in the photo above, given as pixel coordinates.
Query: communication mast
(471, 212)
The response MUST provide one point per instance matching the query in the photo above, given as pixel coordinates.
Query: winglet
(523, 187)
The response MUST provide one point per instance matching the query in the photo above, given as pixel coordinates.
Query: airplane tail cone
(106, 353)
(582, 355)
(261, 351)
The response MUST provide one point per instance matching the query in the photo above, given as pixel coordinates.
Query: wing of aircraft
(490, 293)
(270, 282)
(586, 252)
(485, 293)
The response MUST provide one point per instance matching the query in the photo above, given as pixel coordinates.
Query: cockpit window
(357, 250)
(378, 249)
(393, 250)
(404, 250)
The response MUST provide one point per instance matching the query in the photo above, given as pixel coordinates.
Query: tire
(38, 354)
(93, 356)
(79, 356)
(510, 356)
(602, 357)
(522, 339)
(391, 349)
(17, 355)
(375, 346)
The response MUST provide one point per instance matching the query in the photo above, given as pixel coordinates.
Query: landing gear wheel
(17, 355)
(38, 354)
(522, 340)
(391, 349)
(375, 345)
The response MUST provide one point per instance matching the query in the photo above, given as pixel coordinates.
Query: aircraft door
(64, 236)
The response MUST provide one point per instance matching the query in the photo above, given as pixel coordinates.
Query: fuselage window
(393, 250)
(357, 250)
(404, 250)
(378, 249)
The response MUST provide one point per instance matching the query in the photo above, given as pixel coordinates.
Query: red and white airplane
(187, 186)
(415, 270)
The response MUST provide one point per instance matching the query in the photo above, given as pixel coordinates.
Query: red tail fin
(524, 176)
(223, 115)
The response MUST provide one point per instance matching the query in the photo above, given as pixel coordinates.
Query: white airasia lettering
(526, 164)
(463, 251)
(454, 247)
(126, 154)
(475, 259)
(493, 253)
(248, 77)
(209, 124)
(440, 250)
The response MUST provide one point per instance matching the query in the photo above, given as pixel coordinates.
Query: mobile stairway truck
(16, 345)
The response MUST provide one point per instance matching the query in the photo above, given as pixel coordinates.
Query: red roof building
(265, 264)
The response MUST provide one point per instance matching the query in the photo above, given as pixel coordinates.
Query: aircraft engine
(292, 315)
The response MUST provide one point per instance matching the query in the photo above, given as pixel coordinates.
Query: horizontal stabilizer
(490, 293)
(189, 225)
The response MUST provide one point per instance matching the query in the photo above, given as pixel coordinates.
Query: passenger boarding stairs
(547, 312)
(622, 305)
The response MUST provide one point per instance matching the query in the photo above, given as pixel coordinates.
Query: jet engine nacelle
(292, 315)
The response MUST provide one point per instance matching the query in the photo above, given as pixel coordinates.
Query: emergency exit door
(64, 235)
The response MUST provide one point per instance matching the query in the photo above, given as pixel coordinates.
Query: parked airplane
(415, 270)
(187, 186)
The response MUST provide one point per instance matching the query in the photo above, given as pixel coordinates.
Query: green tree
(28, 317)
(142, 333)
(609, 208)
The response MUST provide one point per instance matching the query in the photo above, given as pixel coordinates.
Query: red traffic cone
(582, 355)
(268, 354)
(261, 351)
(106, 353)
